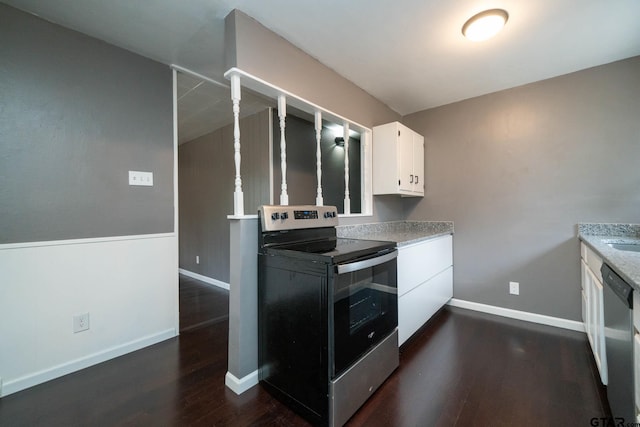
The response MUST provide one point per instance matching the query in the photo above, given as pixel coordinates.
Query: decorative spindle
(238, 199)
(347, 199)
(319, 200)
(282, 113)
(365, 150)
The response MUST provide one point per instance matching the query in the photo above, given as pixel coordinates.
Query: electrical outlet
(197, 259)
(139, 178)
(80, 322)
(514, 288)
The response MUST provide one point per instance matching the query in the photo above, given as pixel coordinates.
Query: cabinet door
(636, 312)
(599, 338)
(418, 163)
(405, 158)
(595, 327)
(588, 291)
(636, 369)
(585, 293)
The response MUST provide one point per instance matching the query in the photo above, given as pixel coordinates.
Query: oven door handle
(371, 262)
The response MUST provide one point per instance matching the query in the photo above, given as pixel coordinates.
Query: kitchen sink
(631, 247)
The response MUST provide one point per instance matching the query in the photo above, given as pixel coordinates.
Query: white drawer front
(420, 262)
(417, 306)
(595, 263)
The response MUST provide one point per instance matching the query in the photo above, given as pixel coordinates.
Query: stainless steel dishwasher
(618, 332)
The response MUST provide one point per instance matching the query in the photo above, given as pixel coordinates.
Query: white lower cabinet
(593, 307)
(636, 370)
(636, 349)
(425, 282)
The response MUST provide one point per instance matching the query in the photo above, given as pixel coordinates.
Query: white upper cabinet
(398, 160)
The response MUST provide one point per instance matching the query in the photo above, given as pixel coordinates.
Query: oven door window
(365, 303)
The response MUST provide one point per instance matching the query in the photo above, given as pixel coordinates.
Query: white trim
(239, 386)
(84, 241)
(205, 279)
(519, 315)
(268, 89)
(40, 377)
(366, 174)
(270, 155)
(176, 198)
(175, 154)
(254, 216)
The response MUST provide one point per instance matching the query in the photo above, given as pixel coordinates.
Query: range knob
(327, 214)
(275, 216)
(284, 215)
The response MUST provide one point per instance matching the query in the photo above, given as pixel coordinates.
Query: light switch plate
(139, 178)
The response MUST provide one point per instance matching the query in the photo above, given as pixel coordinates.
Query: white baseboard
(45, 375)
(205, 279)
(519, 315)
(239, 386)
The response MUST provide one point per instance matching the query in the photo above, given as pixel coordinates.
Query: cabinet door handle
(417, 179)
(410, 179)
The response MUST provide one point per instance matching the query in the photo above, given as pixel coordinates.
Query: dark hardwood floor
(463, 368)
(201, 304)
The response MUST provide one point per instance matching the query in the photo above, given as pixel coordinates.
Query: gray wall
(206, 184)
(257, 50)
(302, 181)
(517, 169)
(333, 173)
(76, 114)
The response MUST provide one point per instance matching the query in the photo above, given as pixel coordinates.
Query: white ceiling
(410, 54)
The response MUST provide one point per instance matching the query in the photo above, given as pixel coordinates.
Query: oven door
(365, 306)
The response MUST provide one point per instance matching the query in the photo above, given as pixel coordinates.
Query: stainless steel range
(327, 313)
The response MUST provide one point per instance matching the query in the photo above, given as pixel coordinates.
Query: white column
(365, 179)
(282, 113)
(238, 199)
(347, 199)
(319, 201)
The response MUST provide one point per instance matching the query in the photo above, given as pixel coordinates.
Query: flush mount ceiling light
(485, 24)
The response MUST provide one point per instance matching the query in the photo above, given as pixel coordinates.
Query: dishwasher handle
(622, 289)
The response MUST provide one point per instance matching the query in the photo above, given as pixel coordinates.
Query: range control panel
(276, 217)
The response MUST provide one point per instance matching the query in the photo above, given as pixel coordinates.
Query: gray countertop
(625, 263)
(402, 232)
